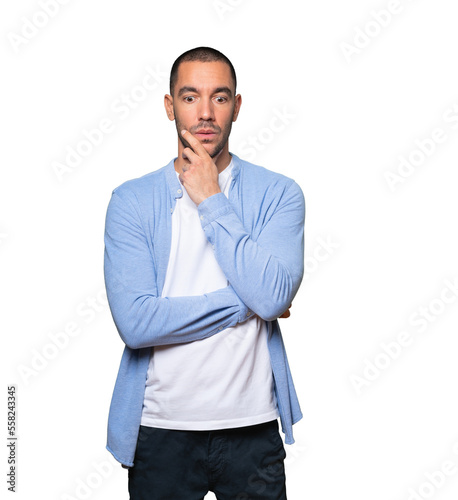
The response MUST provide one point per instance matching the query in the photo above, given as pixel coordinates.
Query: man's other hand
(287, 313)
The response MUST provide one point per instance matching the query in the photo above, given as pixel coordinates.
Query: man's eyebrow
(226, 90)
(218, 90)
(185, 89)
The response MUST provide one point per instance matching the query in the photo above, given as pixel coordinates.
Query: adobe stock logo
(322, 251)
(373, 28)
(421, 318)
(278, 122)
(31, 27)
(56, 342)
(436, 479)
(424, 149)
(3, 238)
(224, 7)
(92, 138)
(85, 486)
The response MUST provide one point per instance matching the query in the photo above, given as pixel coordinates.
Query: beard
(216, 147)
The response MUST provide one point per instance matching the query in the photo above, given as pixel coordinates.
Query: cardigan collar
(176, 189)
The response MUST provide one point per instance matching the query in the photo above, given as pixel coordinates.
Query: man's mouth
(205, 134)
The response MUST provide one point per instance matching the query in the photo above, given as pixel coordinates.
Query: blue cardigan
(257, 234)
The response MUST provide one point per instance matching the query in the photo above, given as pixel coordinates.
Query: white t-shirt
(219, 382)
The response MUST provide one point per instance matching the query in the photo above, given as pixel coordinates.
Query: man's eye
(189, 98)
(221, 99)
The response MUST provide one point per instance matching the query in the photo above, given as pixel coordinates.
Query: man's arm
(265, 273)
(143, 318)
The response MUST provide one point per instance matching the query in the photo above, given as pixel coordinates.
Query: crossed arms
(264, 275)
(264, 272)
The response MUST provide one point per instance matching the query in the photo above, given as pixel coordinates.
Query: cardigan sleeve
(265, 271)
(142, 317)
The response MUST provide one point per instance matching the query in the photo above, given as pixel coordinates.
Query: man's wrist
(209, 193)
(213, 207)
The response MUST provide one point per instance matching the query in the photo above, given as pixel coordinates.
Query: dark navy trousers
(242, 463)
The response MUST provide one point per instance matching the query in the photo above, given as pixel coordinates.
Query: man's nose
(206, 110)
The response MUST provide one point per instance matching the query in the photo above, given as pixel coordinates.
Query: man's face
(204, 103)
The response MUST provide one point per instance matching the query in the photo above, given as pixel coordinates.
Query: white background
(375, 255)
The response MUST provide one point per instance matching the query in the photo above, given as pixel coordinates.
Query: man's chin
(211, 150)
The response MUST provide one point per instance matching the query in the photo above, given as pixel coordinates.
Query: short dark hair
(202, 54)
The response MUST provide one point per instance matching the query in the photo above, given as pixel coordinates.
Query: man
(201, 258)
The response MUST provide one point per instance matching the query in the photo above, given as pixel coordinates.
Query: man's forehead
(204, 75)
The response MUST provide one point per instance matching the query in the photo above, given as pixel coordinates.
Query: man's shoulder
(138, 183)
(144, 185)
(262, 178)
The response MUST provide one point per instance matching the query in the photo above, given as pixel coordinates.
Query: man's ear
(238, 103)
(168, 104)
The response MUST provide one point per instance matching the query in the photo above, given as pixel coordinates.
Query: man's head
(200, 54)
(202, 98)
